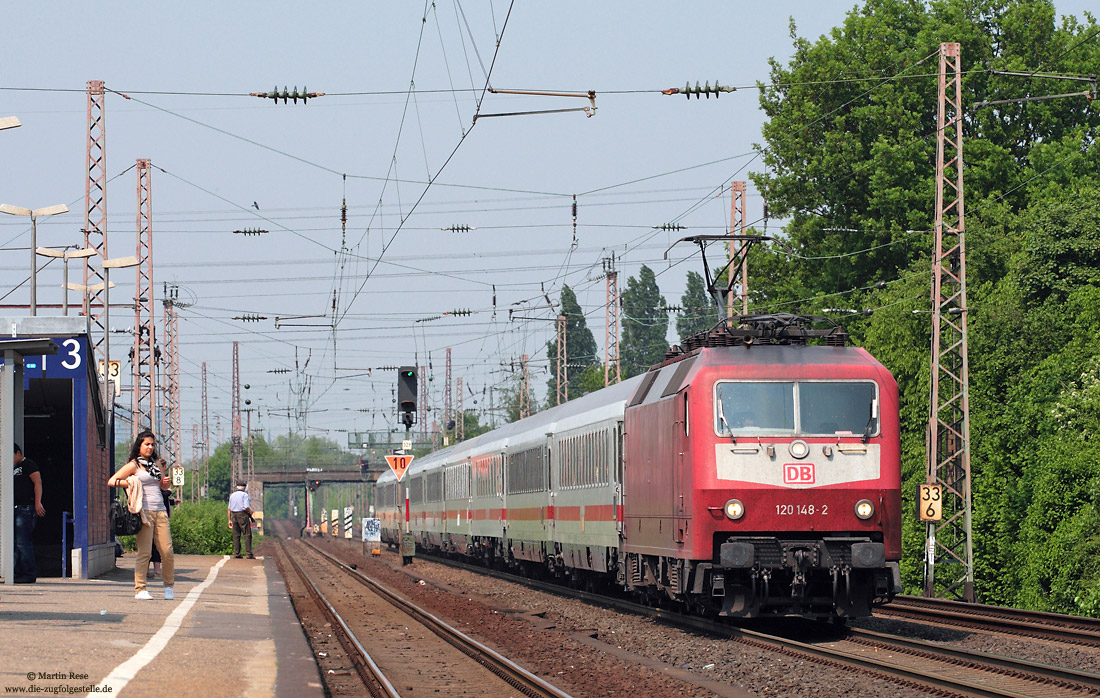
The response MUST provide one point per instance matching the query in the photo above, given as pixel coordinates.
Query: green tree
(471, 424)
(580, 346)
(850, 164)
(510, 399)
(645, 324)
(590, 380)
(698, 313)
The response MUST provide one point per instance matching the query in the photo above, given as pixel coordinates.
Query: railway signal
(399, 464)
(406, 394)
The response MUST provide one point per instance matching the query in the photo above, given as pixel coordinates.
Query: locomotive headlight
(734, 509)
(799, 449)
(865, 509)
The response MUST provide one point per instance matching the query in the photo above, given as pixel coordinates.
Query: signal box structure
(61, 424)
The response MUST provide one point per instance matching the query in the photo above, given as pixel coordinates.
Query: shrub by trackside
(197, 529)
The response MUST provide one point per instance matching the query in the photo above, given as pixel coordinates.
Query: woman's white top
(151, 498)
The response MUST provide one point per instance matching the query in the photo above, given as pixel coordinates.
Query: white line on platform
(126, 671)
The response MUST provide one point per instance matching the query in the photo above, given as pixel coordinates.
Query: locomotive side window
(747, 408)
(837, 408)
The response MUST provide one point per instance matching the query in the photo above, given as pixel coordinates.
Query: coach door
(617, 473)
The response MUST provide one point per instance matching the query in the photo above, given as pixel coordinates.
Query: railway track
(926, 666)
(996, 674)
(410, 649)
(310, 597)
(1047, 626)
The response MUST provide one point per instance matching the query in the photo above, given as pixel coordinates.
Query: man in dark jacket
(28, 507)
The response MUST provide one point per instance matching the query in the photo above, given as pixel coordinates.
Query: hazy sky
(226, 161)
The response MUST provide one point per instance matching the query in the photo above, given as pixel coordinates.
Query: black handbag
(123, 523)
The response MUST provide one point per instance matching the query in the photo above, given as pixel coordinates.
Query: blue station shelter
(61, 422)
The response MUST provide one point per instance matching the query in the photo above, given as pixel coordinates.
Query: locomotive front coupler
(803, 559)
(837, 571)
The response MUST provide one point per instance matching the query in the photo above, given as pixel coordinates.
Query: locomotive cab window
(758, 408)
(837, 408)
(749, 409)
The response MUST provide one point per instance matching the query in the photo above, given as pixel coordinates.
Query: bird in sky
(255, 206)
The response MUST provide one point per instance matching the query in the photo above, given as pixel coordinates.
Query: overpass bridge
(299, 476)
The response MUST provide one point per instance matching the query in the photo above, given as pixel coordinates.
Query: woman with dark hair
(143, 470)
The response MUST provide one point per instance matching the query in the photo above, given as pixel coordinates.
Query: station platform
(231, 631)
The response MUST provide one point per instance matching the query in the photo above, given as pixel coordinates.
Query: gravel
(592, 651)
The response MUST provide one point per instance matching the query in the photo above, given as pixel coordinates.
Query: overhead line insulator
(459, 228)
(251, 231)
(275, 95)
(250, 317)
(670, 226)
(687, 90)
(461, 312)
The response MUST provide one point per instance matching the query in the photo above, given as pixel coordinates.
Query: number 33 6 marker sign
(399, 464)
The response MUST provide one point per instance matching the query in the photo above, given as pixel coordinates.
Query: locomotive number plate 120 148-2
(802, 509)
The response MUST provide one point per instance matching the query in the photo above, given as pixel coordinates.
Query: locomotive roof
(786, 355)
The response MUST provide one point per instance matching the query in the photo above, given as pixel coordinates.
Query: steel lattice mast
(170, 358)
(524, 389)
(235, 437)
(611, 371)
(737, 227)
(563, 367)
(460, 419)
(422, 402)
(447, 402)
(95, 223)
(205, 436)
(196, 461)
(949, 557)
(143, 361)
(251, 472)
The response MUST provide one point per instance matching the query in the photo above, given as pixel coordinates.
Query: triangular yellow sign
(399, 464)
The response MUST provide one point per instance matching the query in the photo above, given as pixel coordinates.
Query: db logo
(798, 474)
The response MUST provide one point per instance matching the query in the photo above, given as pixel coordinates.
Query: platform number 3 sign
(930, 502)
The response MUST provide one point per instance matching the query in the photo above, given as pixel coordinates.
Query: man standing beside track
(240, 520)
(28, 506)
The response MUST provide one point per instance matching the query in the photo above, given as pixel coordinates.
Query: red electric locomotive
(754, 473)
(761, 475)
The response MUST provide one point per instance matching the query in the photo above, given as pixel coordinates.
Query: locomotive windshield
(747, 408)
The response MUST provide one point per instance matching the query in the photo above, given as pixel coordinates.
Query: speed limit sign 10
(930, 502)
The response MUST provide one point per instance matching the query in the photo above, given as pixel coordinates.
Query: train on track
(754, 473)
